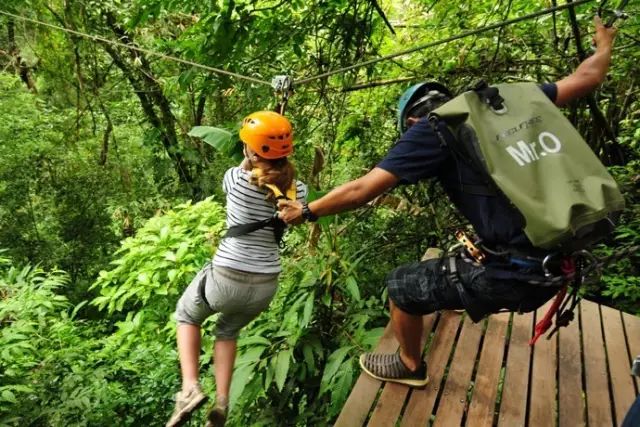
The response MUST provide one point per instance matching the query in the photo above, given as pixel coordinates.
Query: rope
(137, 49)
(444, 41)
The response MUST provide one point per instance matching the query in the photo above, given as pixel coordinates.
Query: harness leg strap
(472, 306)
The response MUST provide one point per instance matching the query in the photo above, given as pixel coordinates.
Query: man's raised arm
(592, 71)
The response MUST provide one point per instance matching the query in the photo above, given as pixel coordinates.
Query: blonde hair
(279, 172)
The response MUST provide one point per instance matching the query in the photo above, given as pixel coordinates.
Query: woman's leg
(225, 355)
(189, 353)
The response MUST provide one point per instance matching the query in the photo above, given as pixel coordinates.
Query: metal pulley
(283, 88)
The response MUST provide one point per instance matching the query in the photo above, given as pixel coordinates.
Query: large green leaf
(241, 377)
(352, 287)
(333, 363)
(220, 139)
(283, 362)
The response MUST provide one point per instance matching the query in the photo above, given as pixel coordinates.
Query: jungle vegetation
(108, 206)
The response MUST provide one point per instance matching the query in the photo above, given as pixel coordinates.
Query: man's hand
(290, 211)
(603, 38)
(592, 71)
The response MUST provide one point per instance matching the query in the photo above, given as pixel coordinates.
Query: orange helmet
(267, 133)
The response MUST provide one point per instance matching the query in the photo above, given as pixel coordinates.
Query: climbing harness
(568, 272)
(274, 221)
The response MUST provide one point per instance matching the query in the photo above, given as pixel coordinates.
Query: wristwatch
(307, 214)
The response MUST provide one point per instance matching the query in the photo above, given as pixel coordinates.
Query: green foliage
(220, 139)
(58, 206)
(113, 139)
(163, 256)
(622, 279)
(28, 304)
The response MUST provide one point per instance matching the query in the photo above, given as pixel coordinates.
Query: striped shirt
(255, 252)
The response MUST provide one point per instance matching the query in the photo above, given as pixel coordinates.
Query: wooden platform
(486, 374)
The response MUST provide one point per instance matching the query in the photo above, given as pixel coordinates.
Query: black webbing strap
(472, 305)
(278, 225)
(489, 95)
(462, 156)
(201, 290)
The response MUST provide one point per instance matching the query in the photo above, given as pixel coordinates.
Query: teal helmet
(427, 94)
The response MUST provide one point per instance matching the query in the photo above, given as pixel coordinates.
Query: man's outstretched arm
(348, 196)
(592, 71)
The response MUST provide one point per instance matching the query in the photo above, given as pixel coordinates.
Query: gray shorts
(238, 296)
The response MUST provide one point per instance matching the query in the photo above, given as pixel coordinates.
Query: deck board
(579, 377)
(571, 406)
(391, 401)
(421, 403)
(513, 407)
(486, 382)
(364, 393)
(454, 402)
(597, 387)
(621, 382)
(542, 398)
(632, 329)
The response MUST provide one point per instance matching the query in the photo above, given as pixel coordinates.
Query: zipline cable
(444, 41)
(322, 75)
(138, 49)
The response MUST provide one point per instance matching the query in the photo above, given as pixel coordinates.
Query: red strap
(543, 325)
(568, 268)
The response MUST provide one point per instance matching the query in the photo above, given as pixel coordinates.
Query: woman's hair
(279, 172)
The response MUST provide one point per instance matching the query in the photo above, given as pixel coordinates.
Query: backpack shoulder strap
(462, 156)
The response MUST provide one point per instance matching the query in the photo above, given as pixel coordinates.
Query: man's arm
(348, 196)
(592, 71)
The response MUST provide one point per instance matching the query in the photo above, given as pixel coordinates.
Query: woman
(242, 279)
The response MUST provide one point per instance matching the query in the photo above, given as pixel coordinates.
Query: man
(422, 288)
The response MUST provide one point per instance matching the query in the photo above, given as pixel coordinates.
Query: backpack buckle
(491, 96)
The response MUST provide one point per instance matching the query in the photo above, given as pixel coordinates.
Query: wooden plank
(391, 401)
(542, 398)
(454, 399)
(513, 406)
(571, 405)
(597, 387)
(632, 328)
(420, 406)
(359, 402)
(482, 406)
(621, 382)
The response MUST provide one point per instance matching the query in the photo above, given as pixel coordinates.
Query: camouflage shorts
(424, 287)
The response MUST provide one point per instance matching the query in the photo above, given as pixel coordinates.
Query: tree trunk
(155, 105)
(19, 64)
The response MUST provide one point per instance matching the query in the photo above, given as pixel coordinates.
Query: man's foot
(186, 403)
(217, 414)
(389, 367)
